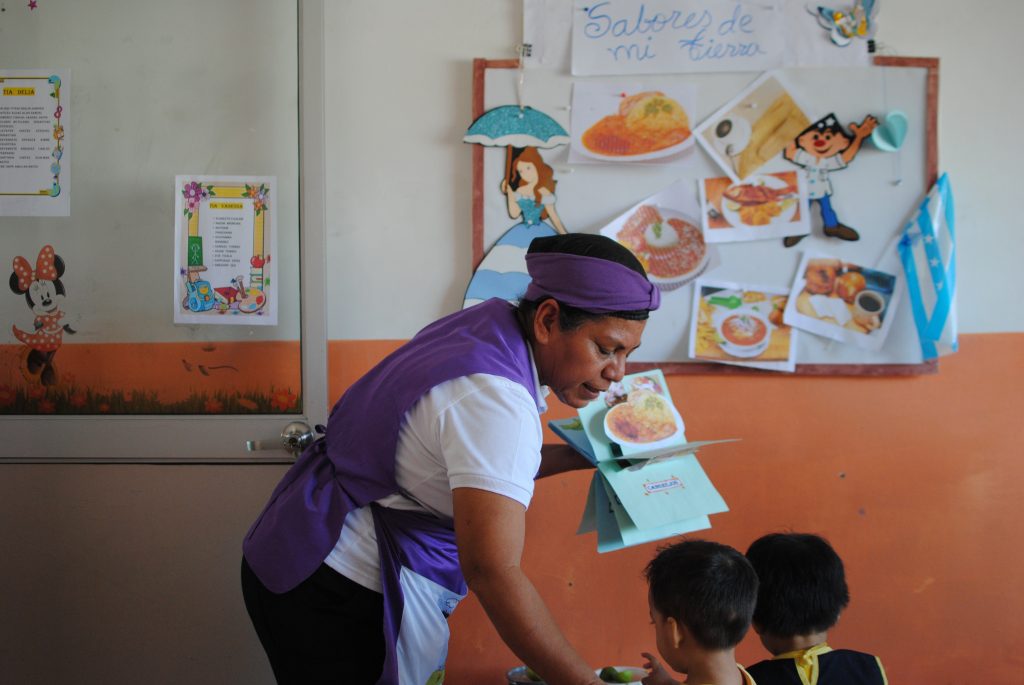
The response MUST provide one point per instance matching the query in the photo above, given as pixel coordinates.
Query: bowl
(743, 333)
(636, 673)
(518, 676)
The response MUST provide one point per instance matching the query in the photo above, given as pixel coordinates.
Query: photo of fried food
(781, 123)
(831, 290)
(763, 200)
(645, 122)
(820, 276)
(760, 215)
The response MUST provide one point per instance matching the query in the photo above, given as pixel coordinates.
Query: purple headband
(592, 284)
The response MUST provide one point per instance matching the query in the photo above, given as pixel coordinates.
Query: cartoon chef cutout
(825, 146)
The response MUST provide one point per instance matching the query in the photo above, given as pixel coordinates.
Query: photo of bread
(841, 300)
(754, 128)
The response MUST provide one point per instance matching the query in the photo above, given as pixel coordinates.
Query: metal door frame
(218, 439)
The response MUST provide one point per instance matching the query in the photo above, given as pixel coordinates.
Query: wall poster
(225, 230)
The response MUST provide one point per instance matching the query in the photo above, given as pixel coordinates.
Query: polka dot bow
(45, 269)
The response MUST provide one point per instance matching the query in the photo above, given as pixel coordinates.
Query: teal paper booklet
(648, 484)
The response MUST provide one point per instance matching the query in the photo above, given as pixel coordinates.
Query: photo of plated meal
(760, 201)
(842, 301)
(742, 325)
(669, 244)
(638, 413)
(616, 123)
(760, 207)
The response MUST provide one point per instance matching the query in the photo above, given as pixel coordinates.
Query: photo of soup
(741, 325)
(645, 417)
(743, 329)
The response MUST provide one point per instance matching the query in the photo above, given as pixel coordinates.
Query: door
(97, 364)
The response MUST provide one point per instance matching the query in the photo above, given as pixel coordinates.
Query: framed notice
(34, 162)
(225, 232)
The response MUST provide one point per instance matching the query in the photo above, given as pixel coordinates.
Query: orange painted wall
(166, 373)
(916, 481)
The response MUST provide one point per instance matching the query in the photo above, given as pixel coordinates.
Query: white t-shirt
(479, 431)
(818, 183)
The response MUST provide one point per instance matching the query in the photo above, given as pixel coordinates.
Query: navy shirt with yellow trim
(820, 665)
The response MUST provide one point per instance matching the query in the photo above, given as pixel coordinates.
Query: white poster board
(877, 193)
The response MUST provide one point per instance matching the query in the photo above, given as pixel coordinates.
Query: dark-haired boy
(701, 596)
(802, 592)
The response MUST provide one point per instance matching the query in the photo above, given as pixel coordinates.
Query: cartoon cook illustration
(825, 146)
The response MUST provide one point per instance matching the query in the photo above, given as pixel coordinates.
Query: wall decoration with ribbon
(927, 249)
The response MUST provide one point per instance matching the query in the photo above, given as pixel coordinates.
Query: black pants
(329, 629)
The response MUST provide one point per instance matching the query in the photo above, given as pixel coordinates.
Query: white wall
(398, 102)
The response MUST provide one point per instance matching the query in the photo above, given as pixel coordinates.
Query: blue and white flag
(927, 249)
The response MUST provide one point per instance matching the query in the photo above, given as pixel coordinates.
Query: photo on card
(664, 233)
(771, 205)
(843, 301)
(627, 122)
(741, 325)
(752, 128)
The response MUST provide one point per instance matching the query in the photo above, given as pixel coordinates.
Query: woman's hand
(658, 674)
(489, 531)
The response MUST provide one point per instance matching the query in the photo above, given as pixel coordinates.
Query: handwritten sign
(676, 36)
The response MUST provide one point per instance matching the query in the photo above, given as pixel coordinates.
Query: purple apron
(353, 465)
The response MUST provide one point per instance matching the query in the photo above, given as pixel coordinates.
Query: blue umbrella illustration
(512, 126)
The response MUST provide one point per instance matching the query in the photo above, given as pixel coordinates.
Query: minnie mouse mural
(44, 294)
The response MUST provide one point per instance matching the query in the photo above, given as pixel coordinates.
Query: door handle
(295, 437)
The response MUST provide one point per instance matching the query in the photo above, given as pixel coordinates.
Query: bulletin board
(878, 193)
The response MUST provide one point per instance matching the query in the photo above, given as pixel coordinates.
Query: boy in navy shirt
(802, 591)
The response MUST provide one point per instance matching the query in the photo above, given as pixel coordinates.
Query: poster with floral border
(225, 237)
(34, 163)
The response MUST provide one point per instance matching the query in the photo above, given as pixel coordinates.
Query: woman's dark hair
(708, 587)
(803, 585)
(584, 245)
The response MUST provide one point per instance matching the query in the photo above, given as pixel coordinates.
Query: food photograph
(645, 418)
(667, 242)
(753, 128)
(843, 301)
(640, 415)
(627, 123)
(771, 205)
(742, 325)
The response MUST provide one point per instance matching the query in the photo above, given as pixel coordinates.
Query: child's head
(701, 592)
(803, 586)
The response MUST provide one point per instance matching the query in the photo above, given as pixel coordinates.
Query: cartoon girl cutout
(44, 294)
(529, 195)
(822, 147)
